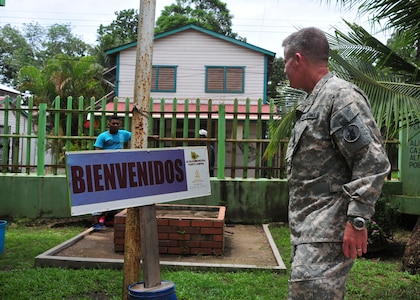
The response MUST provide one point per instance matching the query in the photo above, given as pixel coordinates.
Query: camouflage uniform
(336, 167)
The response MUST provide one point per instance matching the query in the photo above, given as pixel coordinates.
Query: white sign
(115, 179)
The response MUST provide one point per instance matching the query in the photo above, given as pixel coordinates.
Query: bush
(385, 220)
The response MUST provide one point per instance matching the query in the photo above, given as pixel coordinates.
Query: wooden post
(131, 249)
(142, 86)
(150, 246)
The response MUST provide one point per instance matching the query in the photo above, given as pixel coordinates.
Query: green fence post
(221, 136)
(57, 127)
(162, 123)
(91, 115)
(186, 122)
(258, 144)
(197, 125)
(173, 122)
(234, 143)
(16, 140)
(5, 149)
(29, 133)
(42, 132)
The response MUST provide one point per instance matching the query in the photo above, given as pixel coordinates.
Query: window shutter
(215, 79)
(234, 79)
(163, 79)
(166, 79)
(224, 79)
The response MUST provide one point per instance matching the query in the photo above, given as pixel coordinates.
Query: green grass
(373, 278)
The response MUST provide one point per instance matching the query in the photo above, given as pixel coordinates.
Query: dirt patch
(244, 244)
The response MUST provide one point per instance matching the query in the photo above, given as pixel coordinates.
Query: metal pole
(139, 128)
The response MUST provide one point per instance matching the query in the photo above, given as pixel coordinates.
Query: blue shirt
(107, 140)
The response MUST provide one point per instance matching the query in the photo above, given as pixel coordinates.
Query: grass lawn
(376, 277)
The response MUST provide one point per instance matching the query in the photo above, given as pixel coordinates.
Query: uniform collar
(304, 107)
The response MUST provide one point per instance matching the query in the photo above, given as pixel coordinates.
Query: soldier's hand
(355, 241)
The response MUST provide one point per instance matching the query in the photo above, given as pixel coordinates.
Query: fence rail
(34, 139)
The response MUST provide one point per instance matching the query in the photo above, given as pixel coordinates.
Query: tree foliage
(121, 31)
(15, 52)
(388, 75)
(33, 45)
(63, 76)
(209, 14)
(60, 40)
(276, 77)
(387, 78)
(400, 17)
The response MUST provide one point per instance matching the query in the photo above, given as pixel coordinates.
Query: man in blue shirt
(113, 138)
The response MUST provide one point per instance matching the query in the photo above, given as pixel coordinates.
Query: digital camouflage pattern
(319, 272)
(336, 162)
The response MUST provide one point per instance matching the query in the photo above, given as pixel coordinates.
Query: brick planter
(182, 229)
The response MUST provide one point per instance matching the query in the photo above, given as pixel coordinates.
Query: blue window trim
(117, 76)
(224, 90)
(157, 67)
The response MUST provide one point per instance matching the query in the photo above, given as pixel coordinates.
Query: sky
(264, 23)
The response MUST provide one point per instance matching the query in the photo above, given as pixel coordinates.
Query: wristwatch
(358, 223)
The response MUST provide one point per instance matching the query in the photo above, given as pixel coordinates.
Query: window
(163, 79)
(225, 79)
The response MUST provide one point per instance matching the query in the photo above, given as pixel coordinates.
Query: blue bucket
(3, 224)
(166, 291)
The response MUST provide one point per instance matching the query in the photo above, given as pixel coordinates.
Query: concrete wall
(247, 201)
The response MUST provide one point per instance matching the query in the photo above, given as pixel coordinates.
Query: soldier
(336, 169)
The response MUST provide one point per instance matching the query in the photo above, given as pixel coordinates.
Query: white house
(191, 63)
(195, 63)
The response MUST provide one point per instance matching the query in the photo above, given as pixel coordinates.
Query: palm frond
(281, 128)
(388, 80)
(361, 44)
(383, 75)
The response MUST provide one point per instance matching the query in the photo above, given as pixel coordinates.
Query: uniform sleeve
(358, 139)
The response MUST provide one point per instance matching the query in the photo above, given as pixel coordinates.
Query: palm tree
(401, 17)
(390, 81)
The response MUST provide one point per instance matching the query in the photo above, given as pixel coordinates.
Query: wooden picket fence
(35, 138)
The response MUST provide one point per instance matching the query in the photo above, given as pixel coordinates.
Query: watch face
(359, 223)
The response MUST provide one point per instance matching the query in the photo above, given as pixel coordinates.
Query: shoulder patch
(351, 133)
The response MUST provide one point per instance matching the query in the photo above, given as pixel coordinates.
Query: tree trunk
(411, 258)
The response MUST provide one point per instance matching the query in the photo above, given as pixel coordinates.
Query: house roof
(9, 89)
(203, 110)
(200, 29)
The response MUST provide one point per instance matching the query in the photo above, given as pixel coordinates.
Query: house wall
(191, 51)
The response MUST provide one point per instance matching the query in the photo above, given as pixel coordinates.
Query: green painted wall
(33, 196)
(409, 160)
(247, 201)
